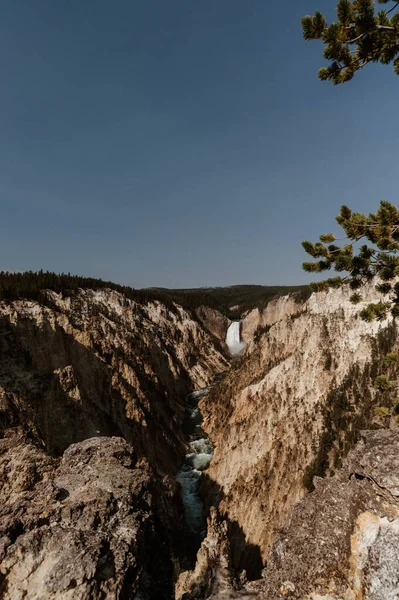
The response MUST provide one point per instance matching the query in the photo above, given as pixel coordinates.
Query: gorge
(110, 409)
(200, 452)
(197, 459)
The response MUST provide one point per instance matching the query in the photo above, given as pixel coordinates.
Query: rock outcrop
(92, 389)
(289, 410)
(216, 323)
(88, 525)
(212, 573)
(341, 542)
(276, 310)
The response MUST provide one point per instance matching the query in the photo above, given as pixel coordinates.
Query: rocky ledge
(83, 526)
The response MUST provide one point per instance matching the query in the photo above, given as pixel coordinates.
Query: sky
(181, 143)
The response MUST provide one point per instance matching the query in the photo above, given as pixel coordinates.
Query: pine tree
(361, 262)
(360, 35)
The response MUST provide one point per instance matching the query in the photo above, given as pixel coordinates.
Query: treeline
(241, 297)
(32, 285)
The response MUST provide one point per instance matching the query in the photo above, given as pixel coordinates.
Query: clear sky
(181, 143)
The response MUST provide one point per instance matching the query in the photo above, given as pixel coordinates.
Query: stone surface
(342, 541)
(212, 574)
(276, 310)
(83, 526)
(214, 321)
(83, 514)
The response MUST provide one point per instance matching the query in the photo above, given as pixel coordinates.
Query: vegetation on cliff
(31, 285)
(351, 407)
(364, 263)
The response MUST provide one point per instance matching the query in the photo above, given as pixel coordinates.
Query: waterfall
(233, 339)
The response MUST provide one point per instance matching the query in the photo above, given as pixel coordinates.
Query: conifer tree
(387, 385)
(369, 248)
(362, 34)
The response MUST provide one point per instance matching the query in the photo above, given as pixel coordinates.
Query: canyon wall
(258, 320)
(340, 543)
(216, 323)
(92, 391)
(290, 409)
(92, 524)
(97, 363)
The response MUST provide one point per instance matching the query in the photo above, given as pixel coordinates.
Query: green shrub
(382, 383)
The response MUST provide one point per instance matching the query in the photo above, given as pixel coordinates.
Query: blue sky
(180, 143)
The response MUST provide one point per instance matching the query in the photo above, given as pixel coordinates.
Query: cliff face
(288, 411)
(92, 391)
(213, 321)
(276, 310)
(343, 539)
(98, 364)
(341, 542)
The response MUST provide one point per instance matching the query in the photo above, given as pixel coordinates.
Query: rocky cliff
(256, 321)
(341, 542)
(213, 321)
(290, 409)
(92, 389)
(96, 363)
(84, 526)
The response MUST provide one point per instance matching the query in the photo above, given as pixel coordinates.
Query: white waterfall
(233, 339)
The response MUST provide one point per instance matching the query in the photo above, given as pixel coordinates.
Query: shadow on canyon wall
(243, 555)
(62, 392)
(58, 391)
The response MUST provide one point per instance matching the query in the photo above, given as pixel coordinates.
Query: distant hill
(232, 301)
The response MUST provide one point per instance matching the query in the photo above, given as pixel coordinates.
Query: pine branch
(374, 36)
(393, 8)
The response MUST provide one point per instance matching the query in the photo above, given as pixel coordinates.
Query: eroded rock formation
(212, 573)
(276, 310)
(92, 389)
(97, 363)
(213, 321)
(289, 410)
(88, 525)
(341, 542)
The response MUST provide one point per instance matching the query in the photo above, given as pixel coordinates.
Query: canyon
(94, 365)
(109, 405)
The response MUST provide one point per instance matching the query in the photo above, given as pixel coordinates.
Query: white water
(233, 339)
(196, 460)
